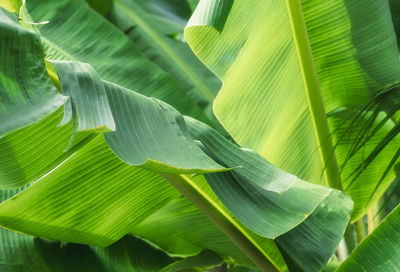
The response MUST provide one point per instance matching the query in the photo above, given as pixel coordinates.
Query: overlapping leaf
(148, 137)
(20, 252)
(86, 95)
(53, 120)
(95, 198)
(380, 250)
(152, 26)
(27, 94)
(73, 34)
(102, 198)
(33, 97)
(148, 132)
(251, 47)
(254, 198)
(120, 100)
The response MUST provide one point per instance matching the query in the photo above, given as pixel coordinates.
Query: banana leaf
(21, 77)
(26, 253)
(285, 65)
(156, 27)
(73, 34)
(64, 204)
(380, 250)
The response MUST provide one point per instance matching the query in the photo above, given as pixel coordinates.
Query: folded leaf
(86, 91)
(312, 216)
(153, 134)
(149, 132)
(73, 34)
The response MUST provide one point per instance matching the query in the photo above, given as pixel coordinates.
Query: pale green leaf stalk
(232, 229)
(313, 93)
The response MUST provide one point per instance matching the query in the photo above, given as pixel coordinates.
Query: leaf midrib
(313, 93)
(58, 48)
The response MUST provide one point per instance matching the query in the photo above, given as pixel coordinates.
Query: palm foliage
(106, 121)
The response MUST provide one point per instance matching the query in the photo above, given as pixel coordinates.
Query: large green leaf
(147, 137)
(50, 209)
(154, 136)
(266, 199)
(73, 34)
(380, 250)
(95, 198)
(302, 213)
(148, 132)
(21, 160)
(20, 252)
(21, 152)
(27, 94)
(65, 204)
(253, 49)
(75, 235)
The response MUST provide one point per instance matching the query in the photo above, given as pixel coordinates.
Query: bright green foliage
(97, 162)
(380, 250)
(26, 92)
(21, 152)
(149, 132)
(251, 47)
(19, 252)
(73, 35)
(152, 26)
(139, 197)
(272, 212)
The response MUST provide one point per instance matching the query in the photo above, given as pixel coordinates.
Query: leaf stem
(350, 240)
(313, 92)
(316, 105)
(361, 230)
(222, 219)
